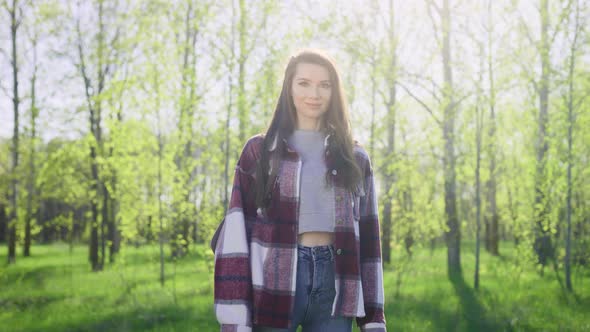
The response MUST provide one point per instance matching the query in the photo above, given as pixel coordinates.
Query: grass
(55, 291)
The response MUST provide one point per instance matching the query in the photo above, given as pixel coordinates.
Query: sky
(63, 106)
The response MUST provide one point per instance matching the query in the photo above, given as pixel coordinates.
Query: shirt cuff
(374, 327)
(235, 328)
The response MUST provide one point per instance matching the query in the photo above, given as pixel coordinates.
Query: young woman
(300, 241)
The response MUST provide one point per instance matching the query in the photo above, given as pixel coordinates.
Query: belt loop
(331, 247)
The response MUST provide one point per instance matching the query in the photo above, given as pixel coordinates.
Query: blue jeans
(314, 293)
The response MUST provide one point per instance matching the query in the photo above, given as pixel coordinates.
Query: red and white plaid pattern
(256, 253)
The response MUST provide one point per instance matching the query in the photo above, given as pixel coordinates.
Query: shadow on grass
(426, 311)
(473, 313)
(169, 318)
(153, 259)
(28, 302)
(36, 276)
(574, 300)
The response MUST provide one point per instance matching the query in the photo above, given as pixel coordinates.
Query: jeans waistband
(317, 252)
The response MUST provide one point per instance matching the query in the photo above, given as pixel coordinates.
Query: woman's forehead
(312, 72)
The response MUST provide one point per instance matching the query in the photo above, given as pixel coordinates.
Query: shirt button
(338, 198)
(339, 252)
(334, 172)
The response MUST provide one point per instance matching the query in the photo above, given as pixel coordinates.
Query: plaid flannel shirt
(256, 252)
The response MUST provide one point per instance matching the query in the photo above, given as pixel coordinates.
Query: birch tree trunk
(94, 105)
(491, 217)
(543, 246)
(478, 138)
(391, 105)
(13, 217)
(31, 187)
(453, 235)
(571, 120)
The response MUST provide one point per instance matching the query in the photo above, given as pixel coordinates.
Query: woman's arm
(370, 255)
(233, 280)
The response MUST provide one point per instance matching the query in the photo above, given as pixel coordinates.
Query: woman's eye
(326, 86)
(303, 83)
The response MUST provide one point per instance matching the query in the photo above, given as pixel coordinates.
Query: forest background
(121, 122)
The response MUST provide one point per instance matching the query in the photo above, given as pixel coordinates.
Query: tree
(491, 217)
(99, 58)
(573, 104)
(62, 183)
(240, 40)
(375, 55)
(478, 139)
(4, 184)
(390, 97)
(485, 98)
(94, 109)
(186, 162)
(543, 246)
(546, 225)
(447, 125)
(15, 11)
(32, 193)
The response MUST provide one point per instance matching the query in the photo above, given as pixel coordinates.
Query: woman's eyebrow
(307, 79)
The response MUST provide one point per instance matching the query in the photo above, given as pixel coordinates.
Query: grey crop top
(316, 210)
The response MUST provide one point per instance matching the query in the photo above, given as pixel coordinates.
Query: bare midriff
(314, 239)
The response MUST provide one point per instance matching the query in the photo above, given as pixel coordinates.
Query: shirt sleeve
(370, 257)
(233, 281)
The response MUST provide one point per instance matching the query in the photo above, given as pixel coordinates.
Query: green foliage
(54, 291)
(166, 98)
(65, 173)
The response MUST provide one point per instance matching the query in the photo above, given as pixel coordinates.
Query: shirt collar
(273, 145)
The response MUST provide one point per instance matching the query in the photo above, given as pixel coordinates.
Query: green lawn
(54, 291)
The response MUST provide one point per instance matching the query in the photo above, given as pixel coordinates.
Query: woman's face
(311, 90)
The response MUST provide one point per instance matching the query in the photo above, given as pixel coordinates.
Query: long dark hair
(336, 123)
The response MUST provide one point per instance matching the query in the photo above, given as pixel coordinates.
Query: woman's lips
(313, 105)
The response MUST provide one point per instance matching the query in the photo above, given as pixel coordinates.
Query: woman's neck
(308, 124)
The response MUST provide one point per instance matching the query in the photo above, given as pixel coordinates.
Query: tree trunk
(478, 139)
(242, 35)
(491, 217)
(373, 107)
(159, 179)
(478, 209)
(408, 207)
(160, 212)
(227, 145)
(570, 129)
(453, 235)
(114, 235)
(2, 222)
(93, 246)
(543, 246)
(184, 154)
(99, 140)
(104, 222)
(387, 223)
(13, 219)
(94, 110)
(386, 229)
(32, 191)
(568, 240)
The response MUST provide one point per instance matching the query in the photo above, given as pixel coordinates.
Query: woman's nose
(315, 92)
